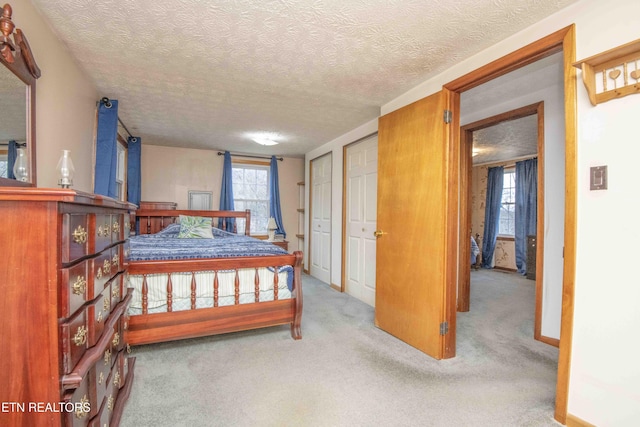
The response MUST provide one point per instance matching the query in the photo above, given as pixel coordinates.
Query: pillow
(195, 227)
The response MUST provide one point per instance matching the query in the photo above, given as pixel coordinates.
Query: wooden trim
(561, 40)
(507, 269)
(251, 162)
(526, 55)
(466, 180)
(452, 220)
(336, 287)
(537, 327)
(570, 227)
(505, 238)
(573, 421)
(343, 256)
(548, 340)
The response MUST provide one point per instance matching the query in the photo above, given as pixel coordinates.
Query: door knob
(378, 233)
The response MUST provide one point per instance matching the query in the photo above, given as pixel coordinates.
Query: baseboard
(336, 287)
(573, 421)
(548, 340)
(510, 270)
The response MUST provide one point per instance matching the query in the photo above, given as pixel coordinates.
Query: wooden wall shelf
(612, 74)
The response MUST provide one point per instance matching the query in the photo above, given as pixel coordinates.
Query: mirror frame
(16, 55)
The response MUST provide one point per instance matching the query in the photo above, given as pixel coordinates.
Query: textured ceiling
(205, 74)
(506, 140)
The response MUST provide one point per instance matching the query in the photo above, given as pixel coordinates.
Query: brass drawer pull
(115, 261)
(101, 378)
(100, 317)
(80, 285)
(116, 339)
(80, 235)
(99, 273)
(104, 230)
(116, 379)
(106, 303)
(80, 338)
(84, 402)
(115, 293)
(115, 228)
(106, 266)
(110, 403)
(107, 357)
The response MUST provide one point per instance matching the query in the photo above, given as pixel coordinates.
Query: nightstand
(284, 244)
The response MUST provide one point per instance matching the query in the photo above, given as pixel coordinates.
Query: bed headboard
(151, 220)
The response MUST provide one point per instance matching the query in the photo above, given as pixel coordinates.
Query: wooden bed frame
(158, 327)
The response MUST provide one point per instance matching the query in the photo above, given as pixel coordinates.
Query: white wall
(528, 85)
(605, 375)
(169, 173)
(65, 102)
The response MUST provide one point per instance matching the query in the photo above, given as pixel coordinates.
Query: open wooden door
(412, 262)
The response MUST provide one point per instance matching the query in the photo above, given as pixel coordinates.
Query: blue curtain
(526, 208)
(134, 183)
(274, 191)
(106, 149)
(495, 179)
(226, 192)
(12, 153)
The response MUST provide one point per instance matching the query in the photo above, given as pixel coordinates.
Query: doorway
(560, 41)
(502, 140)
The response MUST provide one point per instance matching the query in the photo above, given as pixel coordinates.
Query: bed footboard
(171, 325)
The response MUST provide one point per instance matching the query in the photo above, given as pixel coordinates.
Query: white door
(321, 218)
(362, 187)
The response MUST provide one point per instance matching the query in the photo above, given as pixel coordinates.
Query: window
(121, 169)
(4, 164)
(251, 191)
(508, 206)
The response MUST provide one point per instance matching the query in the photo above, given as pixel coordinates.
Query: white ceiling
(206, 74)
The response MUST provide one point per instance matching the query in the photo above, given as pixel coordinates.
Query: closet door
(411, 257)
(361, 177)
(320, 244)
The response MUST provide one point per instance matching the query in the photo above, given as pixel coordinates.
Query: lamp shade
(271, 228)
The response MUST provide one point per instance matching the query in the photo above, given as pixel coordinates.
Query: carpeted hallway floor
(346, 372)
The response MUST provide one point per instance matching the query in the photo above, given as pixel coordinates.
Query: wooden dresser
(63, 308)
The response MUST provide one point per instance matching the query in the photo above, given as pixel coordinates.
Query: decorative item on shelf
(279, 237)
(65, 170)
(617, 67)
(21, 166)
(271, 227)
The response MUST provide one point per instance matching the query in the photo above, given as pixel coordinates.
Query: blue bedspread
(166, 245)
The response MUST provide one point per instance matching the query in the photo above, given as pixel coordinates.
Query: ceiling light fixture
(264, 141)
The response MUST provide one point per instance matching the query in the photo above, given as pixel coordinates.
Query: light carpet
(347, 372)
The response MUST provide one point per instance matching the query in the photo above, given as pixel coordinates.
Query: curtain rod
(107, 103)
(19, 144)
(221, 153)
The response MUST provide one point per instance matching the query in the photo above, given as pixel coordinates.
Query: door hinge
(448, 116)
(444, 328)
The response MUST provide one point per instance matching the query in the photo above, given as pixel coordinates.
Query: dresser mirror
(17, 102)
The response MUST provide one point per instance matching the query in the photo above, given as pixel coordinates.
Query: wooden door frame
(343, 257)
(310, 250)
(561, 41)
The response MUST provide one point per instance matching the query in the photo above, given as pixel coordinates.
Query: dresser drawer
(117, 227)
(75, 288)
(116, 259)
(74, 336)
(101, 270)
(84, 408)
(117, 285)
(97, 314)
(123, 367)
(102, 232)
(75, 237)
